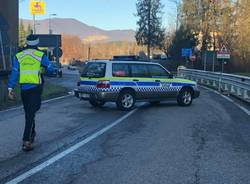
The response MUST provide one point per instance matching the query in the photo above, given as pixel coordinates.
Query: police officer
(27, 67)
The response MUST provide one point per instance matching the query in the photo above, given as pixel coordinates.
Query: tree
(169, 36)
(22, 35)
(29, 30)
(150, 31)
(184, 38)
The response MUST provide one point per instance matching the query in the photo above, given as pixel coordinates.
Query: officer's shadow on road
(164, 104)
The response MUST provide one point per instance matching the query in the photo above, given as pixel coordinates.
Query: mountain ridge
(85, 32)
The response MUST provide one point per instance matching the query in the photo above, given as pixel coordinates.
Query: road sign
(48, 40)
(186, 52)
(223, 53)
(37, 7)
(192, 58)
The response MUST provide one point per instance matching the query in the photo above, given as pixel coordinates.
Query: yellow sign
(37, 7)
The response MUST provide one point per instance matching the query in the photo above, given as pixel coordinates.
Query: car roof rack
(127, 58)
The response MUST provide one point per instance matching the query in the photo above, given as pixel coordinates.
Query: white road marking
(43, 102)
(229, 99)
(54, 99)
(68, 151)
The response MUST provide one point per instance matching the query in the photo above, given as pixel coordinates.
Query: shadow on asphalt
(161, 105)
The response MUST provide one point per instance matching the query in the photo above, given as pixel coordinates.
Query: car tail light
(78, 83)
(103, 84)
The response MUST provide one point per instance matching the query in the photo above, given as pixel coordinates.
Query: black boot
(27, 146)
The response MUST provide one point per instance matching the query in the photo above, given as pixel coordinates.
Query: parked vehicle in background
(57, 71)
(72, 67)
(159, 57)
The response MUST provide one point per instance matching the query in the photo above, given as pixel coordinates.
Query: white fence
(232, 84)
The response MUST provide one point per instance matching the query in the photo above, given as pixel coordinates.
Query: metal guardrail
(236, 85)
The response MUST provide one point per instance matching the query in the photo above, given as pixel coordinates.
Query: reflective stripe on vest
(30, 65)
(29, 72)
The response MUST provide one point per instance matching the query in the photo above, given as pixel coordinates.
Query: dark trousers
(31, 102)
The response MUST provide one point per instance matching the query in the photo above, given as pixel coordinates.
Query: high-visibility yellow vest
(30, 66)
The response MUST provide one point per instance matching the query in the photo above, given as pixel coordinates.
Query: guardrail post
(208, 82)
(232, 90)
(202, 81)
(239, 91)
(226, 87)
(245, 95)
(214, 84)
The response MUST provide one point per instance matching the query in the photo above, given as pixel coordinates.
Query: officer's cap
(32, 40)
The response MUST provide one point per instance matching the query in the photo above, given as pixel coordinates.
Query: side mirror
(171, 76)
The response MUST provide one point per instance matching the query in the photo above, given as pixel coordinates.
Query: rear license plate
(82, 95)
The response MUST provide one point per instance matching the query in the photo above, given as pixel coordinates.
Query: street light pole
(34, 24)
(50, 15)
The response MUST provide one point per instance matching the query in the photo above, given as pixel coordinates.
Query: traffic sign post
(187, 53)
(37, 8)
(224, 55)
(192, 59)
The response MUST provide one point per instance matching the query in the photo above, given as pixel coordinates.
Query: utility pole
(89, 52)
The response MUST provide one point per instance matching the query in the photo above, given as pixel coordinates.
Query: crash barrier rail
(235, 85)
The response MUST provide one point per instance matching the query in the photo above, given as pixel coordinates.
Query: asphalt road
(208, 142)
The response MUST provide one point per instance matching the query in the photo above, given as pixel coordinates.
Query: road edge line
(229, 99)
(69, 150)
(43, 102)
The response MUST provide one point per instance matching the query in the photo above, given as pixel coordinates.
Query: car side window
(157, 71)
(120, 70)
(139, 70)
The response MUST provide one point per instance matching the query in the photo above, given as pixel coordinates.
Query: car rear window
(120, 70)
(94, 70)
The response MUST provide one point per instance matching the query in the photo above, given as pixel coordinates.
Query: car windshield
(94, 70)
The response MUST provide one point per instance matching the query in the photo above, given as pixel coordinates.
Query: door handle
(136, 80)
(157, 81)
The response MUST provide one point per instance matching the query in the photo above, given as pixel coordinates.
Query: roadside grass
(49, 91)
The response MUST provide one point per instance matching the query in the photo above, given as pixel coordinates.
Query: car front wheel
(126, 100)
(185, 97)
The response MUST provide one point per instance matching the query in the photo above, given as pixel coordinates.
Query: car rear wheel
(126, 100)
(96, 103)
(185, 97)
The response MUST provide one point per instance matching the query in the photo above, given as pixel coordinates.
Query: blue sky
(105, 14)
